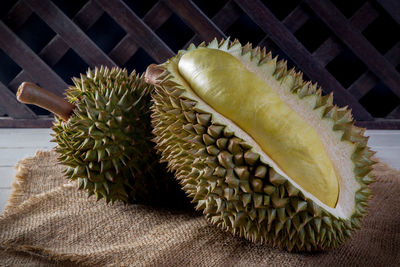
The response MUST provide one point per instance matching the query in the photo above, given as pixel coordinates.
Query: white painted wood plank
(383, 132)
(16, 144)
(10, 156)
(389, 155)
(6, 131)
(390, 138)
(6, 177)
(22, 138)
(4, 195)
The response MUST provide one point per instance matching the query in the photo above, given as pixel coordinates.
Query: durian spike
(153, 72)
(30, 93)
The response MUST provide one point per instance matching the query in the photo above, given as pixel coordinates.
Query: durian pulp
(222, 81)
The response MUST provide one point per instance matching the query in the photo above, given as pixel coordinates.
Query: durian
(105, 143)
(264, 154)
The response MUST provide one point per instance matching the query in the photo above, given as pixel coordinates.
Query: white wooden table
(16, 144)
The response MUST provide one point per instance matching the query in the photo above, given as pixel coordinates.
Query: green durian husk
(106, 144)
(227, 180)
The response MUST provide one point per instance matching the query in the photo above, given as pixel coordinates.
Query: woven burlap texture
(48, 222)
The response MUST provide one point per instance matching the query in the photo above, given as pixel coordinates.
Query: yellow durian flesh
(225, 84)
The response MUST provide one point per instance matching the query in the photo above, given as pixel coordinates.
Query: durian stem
(30, 93)
(152, 74)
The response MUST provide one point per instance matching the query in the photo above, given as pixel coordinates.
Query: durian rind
(243, 191)
(106, 144)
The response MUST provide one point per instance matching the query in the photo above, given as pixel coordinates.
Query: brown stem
(152, 74)
(30, 93)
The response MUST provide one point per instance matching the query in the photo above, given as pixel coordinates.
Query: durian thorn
(30, 93)
(153, 73)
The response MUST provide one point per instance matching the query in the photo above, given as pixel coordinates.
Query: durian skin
(229, 183)
(106, 144)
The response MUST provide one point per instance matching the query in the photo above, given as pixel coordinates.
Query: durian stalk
(153, 72)
(30, 93)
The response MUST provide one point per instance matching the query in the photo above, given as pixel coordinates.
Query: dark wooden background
(350, 47)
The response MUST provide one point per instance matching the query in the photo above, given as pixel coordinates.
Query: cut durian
(241, 96)
(260, 151)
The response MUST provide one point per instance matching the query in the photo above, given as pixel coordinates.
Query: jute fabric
(48, 222)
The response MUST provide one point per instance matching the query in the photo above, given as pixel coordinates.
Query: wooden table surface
(16, 144)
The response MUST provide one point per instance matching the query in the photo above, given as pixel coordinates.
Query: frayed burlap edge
(20, 179)
(18, 194)
(14, 201)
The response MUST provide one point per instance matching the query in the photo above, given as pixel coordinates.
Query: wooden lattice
(349, 47)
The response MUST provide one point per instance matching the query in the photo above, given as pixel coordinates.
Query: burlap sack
(47, 222)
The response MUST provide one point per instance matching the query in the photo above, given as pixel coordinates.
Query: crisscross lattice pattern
(349, 47)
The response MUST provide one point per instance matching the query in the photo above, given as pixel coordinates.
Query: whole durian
(106, 143)
(264, 154)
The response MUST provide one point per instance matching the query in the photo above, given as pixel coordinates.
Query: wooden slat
(292, 47)
(296, 19)
(330, 48)
(392, 7)
(2, 111)
(368, 80)
(357, 43)
(227, 15)
(380, 124)
(10, 156)
(6, 177)
(195, 18)
(138, 30)
(394, 114)
(29, 61)
(224, 18)
(18, 14)
(364, 16)
(6, 122)
(363, 84)
(4, 195)
(327, 51)
(125, 49)
(22, 76)
(157, 15)
(26, 138)
(383, 138)
(88, 15)
(14, 108)
(57, 47)
(70, 32)
(140, 34)
(54, 50)
(389, 155)
(293, 22)
(393, 55)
